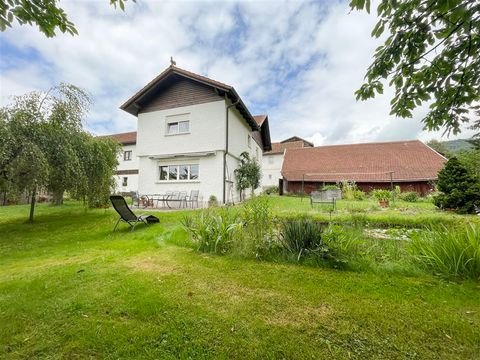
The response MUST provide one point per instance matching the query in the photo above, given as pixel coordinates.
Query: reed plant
(451, 252)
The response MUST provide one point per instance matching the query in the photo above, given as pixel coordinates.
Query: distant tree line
(45, 148)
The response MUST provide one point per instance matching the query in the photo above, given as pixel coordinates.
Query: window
(125, 181)
(249, 141)
(127, 155)
(178, 124)
(178, 172)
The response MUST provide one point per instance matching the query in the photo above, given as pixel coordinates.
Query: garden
(271, 278)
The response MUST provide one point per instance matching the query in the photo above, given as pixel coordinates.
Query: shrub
(409, 196)
(359, 195)
(459, 189)
(381, 194)
(348, 189)
(329, 187)
(258, 227)
(271, 190)
(449, 251)
(212, 201)
(302, 237)
(213, 230)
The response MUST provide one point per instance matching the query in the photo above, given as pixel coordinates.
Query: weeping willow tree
(45, 147)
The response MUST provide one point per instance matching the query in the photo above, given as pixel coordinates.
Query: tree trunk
(57, 197)
(32, 204)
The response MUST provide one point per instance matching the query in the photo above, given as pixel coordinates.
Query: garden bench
(317, 197)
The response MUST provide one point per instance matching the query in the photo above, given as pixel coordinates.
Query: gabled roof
(128, 138)
(133, 104)
(264, 129)
(371, 162)
(293, 142)
(295, 139)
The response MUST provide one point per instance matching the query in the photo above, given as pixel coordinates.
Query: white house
(191, 131)
(273, 159)
(127, 170)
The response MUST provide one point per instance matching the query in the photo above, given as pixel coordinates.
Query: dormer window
(178, 124)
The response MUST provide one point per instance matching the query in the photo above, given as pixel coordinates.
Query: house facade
(273, 159)
(191, 131)
(412, 165)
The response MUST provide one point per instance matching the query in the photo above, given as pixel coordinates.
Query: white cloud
(298, 61)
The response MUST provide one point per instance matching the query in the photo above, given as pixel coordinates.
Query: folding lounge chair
(126, 215)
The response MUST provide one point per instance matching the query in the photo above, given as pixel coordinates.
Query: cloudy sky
(298, 61)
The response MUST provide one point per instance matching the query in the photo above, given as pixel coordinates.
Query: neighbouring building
(191, 131)
(127, 170)
(412, 165)
(273, 159)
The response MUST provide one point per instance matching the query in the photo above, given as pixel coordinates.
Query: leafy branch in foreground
(430, 55)
(45, 13)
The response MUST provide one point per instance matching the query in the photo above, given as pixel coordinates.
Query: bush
(212, 201)
(302, 237)
(381, 194)
(329, 187)
(359, 195)
(409, 196)
(348, 189)
(460, 190)
(271, 190)
(213, 231)
(449, 251)
(258, 227)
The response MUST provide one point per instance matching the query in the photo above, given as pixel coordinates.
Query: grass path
(69, 288)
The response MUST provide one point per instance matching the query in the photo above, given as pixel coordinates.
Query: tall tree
(45, 13)
(46, 148)
(431, 55)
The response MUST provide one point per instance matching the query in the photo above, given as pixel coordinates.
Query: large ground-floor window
(179, 172)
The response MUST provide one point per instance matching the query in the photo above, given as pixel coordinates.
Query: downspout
(226, 152)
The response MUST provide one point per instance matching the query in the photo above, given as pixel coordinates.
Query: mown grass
(367, 212)
(70, 288)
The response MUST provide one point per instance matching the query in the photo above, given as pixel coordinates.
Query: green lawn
(70, 288)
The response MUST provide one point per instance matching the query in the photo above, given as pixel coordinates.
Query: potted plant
(383, 197)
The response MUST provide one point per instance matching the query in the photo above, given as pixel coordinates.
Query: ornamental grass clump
(213, 231)
(302, 237)
(449, 251)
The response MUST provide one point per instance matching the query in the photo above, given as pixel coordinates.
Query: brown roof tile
(372, 162)
(280, 147)
(128, 138)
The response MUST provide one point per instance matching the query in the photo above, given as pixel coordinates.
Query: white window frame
(178, 166)
(178, 120)
(130, 153)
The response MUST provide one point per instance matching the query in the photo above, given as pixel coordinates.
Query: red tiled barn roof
(372, 162)
(291, 143)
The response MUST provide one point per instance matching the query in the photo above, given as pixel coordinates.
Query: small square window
(125, 181)
(173, 128)
(184, 126)
(127, 155)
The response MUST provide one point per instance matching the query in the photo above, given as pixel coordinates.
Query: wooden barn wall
(421, 187)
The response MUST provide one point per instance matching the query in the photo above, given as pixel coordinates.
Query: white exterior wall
(132, 179)
(239, 131)
(272, 167)
(207, 134)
